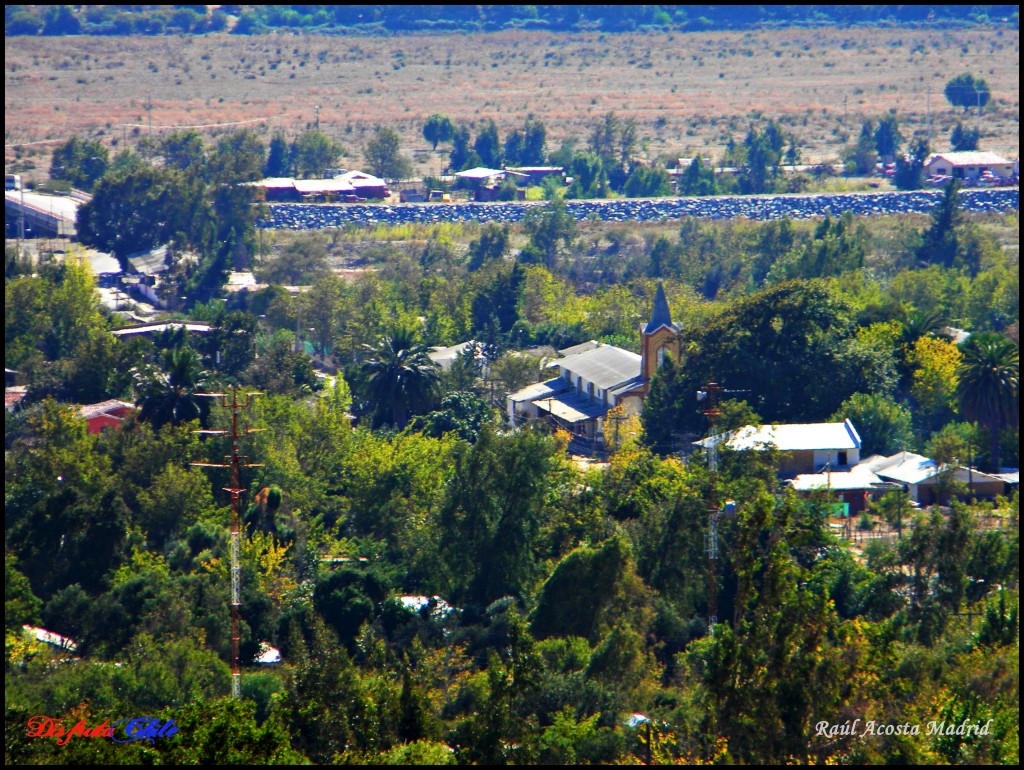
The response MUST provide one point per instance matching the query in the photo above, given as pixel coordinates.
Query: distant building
(147, 329)
(537, 174)
(106, 414)
(593, 378)
(968, 165)
(347, 186)
(922, 477)
(445, 356)
(824, 447)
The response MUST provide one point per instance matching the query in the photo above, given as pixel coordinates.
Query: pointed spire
(660, 316)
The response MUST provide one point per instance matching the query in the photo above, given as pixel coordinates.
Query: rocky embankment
(313, 216)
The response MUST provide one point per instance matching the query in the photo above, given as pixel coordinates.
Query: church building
(598, 378)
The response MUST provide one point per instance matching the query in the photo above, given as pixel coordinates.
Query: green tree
(588, 593)
(698, 179)
(491, 514)
(167, 394)
(491, 245)
(670, 405)
(21, 606)
(534, 149)
(989, 388)
(888, 137)
(646, 182)
(462, 157)
(80, 161)
(138, 209)
(488, 146)
(547, 227)
(781, 344)
(437, 129)
(302, 262)
(384, 156)
(963, 138)
(863, 155)
(460, 412)
(590, 179)
(967, 91)
(278, 163)
(401, 378)
(940, 244)
(910, 167)
(884, 426)
(313, 153)
(184, 150)
(763, 155)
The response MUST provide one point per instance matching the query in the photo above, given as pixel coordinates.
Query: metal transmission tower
(710, 394)
(235, 462)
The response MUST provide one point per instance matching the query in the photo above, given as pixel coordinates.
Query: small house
(106, 414)
(824, 447)
(925, 479)
(968, 166)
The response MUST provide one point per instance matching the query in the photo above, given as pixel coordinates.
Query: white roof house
(52, 638)
(967, 165)
(445, 356)
(922, 476)
(810, 447)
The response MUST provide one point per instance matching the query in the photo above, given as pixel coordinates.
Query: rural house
(106, 414)
(968, 166)
(823, 447)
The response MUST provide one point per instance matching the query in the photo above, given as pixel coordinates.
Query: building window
(841, 460)
(662, 352)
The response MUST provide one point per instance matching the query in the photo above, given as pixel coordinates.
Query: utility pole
(710, 394)
(235, 462)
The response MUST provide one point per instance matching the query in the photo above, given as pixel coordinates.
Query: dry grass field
(688, 92)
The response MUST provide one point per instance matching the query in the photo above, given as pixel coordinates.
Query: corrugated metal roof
(571, 407)
(88, 411)
(308, 186)
(794, 438)
(970, 158)
(149, 262)
(479, 173)
(583, 347)
(156, 328)
(625, 388)
(606, 366)
(856, 478)
(540, 390)
(911, 468)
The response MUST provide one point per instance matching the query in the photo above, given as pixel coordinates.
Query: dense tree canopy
(446, 588)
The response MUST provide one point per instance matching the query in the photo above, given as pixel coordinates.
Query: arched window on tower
(663, 352)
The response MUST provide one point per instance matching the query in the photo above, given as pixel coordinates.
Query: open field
(688, 92)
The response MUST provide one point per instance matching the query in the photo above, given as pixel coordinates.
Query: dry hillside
(688, 92)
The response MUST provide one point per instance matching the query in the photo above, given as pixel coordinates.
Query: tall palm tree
(168, 394)
(989, 387)
(401, 377)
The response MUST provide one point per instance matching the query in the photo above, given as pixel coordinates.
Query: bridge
(29, 214)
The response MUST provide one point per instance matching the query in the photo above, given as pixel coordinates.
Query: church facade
(591, 382)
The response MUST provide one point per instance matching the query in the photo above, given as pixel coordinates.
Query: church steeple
(659, 338)
(660, 315)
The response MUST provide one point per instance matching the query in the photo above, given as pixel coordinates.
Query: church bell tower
(659, 338)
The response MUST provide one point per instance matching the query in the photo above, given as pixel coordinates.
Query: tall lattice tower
(235, 462)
